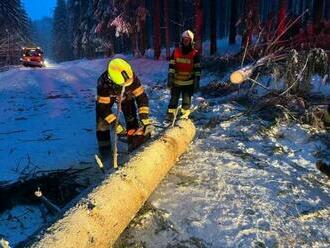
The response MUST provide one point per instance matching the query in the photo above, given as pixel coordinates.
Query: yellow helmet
(120, 72)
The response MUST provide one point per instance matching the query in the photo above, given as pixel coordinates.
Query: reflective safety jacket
(108, 93)
(327, 119)
(185, 68)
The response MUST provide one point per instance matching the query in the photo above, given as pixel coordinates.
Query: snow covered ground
(48, 123)
(240, 185)
(243, 182)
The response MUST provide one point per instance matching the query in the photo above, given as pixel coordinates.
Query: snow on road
(48, 122)
(47, 115)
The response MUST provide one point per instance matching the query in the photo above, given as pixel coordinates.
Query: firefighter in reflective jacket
(134, 102)
(183, 76)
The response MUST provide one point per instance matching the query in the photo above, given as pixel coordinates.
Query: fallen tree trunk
(98, 220)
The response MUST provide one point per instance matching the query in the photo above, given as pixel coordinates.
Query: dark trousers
(176, 92)
(103, 127)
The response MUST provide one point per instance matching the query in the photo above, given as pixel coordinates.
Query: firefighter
(134, 103)
(326, 118)
(183, 76)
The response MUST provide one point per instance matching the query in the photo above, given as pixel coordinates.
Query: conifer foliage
(61, 44)
(14, 30)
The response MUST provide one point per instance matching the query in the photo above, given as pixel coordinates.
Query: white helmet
(188, 34)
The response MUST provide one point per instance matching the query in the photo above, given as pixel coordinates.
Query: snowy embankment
(244, 182)
(240, 185)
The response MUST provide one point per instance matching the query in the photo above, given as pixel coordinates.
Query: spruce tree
(14, 31)
(61, 44)
(233, 20)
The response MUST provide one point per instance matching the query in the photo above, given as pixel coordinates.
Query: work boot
(104, 150)
(185, 114)
(168, 119)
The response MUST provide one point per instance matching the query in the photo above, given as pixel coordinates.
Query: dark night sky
(37, 9)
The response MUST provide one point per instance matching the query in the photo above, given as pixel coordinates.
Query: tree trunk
(213, 26)
(327, 10)
(134, 43)
(167, 29)
(283, 7)
(301, 6)
(156, 28)
(199, 24)
(119, 198)
(233, 20)
(142, 34)
(177, 19)
(222, 20)
(149, 25)
(251, 20)
(319, 7)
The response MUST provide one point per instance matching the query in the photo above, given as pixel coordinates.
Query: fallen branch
(299, 77)
(47, 202)
(61, 185)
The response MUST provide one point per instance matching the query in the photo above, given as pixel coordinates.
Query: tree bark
(213, 26)
(233, 20)
(251, 20)
(142, 34)
(283, 7)
(319, 7)
(156, 29)
(119, 197)
(177, 19)
(167, 29)
(198, 25)
(327, 10)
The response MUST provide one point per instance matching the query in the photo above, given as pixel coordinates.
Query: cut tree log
(99, 219)
(239, 76)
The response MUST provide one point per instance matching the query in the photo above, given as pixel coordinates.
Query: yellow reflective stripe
(188, 82)
(197, 65)
(144, 110)
(138, 91)
(172, 61)
(184, 73)
(171, 111)
(146, 121)
(327, 118)
(197, 73)
(182, 77)
(120, 129)
(110, 118)
(171, 70)
(104, 100)
(184, 60)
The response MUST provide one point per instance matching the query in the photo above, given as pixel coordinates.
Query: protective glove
(148, 128)
(120, 130)
(196, 85)
(170, 81)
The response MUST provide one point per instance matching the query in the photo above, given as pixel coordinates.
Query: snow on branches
(121, 26)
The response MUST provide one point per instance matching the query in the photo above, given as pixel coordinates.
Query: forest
(93, 28)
